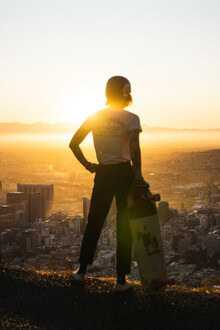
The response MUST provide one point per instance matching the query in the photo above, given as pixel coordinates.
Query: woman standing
(116, 141)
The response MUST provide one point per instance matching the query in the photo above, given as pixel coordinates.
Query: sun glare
(78, 107)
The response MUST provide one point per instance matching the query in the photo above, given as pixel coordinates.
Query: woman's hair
(118, 91)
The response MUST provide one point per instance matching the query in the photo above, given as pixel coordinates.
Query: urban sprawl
(32, 236)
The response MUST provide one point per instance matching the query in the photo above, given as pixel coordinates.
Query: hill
(40, 127)
(34, 300)
(35, 128)
(167, 130)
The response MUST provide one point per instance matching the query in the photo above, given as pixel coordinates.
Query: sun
(76, 108)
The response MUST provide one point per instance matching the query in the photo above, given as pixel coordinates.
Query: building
(78, 223)
(7, 221)
(204, 221)
(213, 243)
(21, 217)
(29, 240)
(86, 207)
(46, 192)
(36, 208)
(15, 197)
(25, 241)
(163, 212)
(217, 219)
(6, 209)
(39, 225)
(82, 225)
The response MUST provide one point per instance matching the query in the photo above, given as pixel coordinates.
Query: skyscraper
(78, 220)
(36, 208)
(46, 192)
(86, 206)
(163, 212)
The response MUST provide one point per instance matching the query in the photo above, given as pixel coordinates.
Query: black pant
(110, 180)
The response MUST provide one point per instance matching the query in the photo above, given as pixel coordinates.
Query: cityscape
(36, 235)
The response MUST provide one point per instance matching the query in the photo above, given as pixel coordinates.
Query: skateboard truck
(141, 193)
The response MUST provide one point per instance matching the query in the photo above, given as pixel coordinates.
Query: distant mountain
(150, 129)
(36, 128)
(58, 128)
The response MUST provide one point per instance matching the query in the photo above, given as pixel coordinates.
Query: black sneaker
(123, 287)
(78, 278)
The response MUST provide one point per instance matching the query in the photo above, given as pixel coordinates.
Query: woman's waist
(115, 165)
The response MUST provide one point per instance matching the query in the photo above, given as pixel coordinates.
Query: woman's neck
(115, 107)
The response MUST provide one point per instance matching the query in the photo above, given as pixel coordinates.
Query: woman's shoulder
(96, 115)
(130, 114)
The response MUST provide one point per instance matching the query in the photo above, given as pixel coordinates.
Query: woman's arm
(136, 161)
(135, 154)
(78, 137)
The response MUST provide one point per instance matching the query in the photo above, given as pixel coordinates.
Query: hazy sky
(56, 56)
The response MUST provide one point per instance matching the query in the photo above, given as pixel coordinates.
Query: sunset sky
(56, 56)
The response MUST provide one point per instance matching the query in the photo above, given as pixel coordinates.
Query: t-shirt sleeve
(87, 124)
(135, 124)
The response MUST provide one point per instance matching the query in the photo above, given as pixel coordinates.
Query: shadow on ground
(31, 300)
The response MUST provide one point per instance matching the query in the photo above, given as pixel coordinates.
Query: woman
(116, 141)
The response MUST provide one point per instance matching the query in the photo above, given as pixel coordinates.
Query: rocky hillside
(33, 300)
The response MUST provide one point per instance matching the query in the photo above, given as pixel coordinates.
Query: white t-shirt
(110, 129)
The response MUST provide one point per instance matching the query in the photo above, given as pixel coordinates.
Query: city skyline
(56, 58)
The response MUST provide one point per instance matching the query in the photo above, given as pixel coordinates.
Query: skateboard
(146, 235)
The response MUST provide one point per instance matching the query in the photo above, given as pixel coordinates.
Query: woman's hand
(92, 167)
(140, 182)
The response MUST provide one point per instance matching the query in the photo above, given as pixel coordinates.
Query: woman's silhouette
(116, 141)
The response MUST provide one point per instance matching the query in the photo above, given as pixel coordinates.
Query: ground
(35, 300)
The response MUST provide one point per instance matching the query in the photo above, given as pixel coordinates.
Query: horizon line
(72, 124)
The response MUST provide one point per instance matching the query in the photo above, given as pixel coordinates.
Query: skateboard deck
(148, 245)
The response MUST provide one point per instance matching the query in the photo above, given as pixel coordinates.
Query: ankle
(82, 269)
